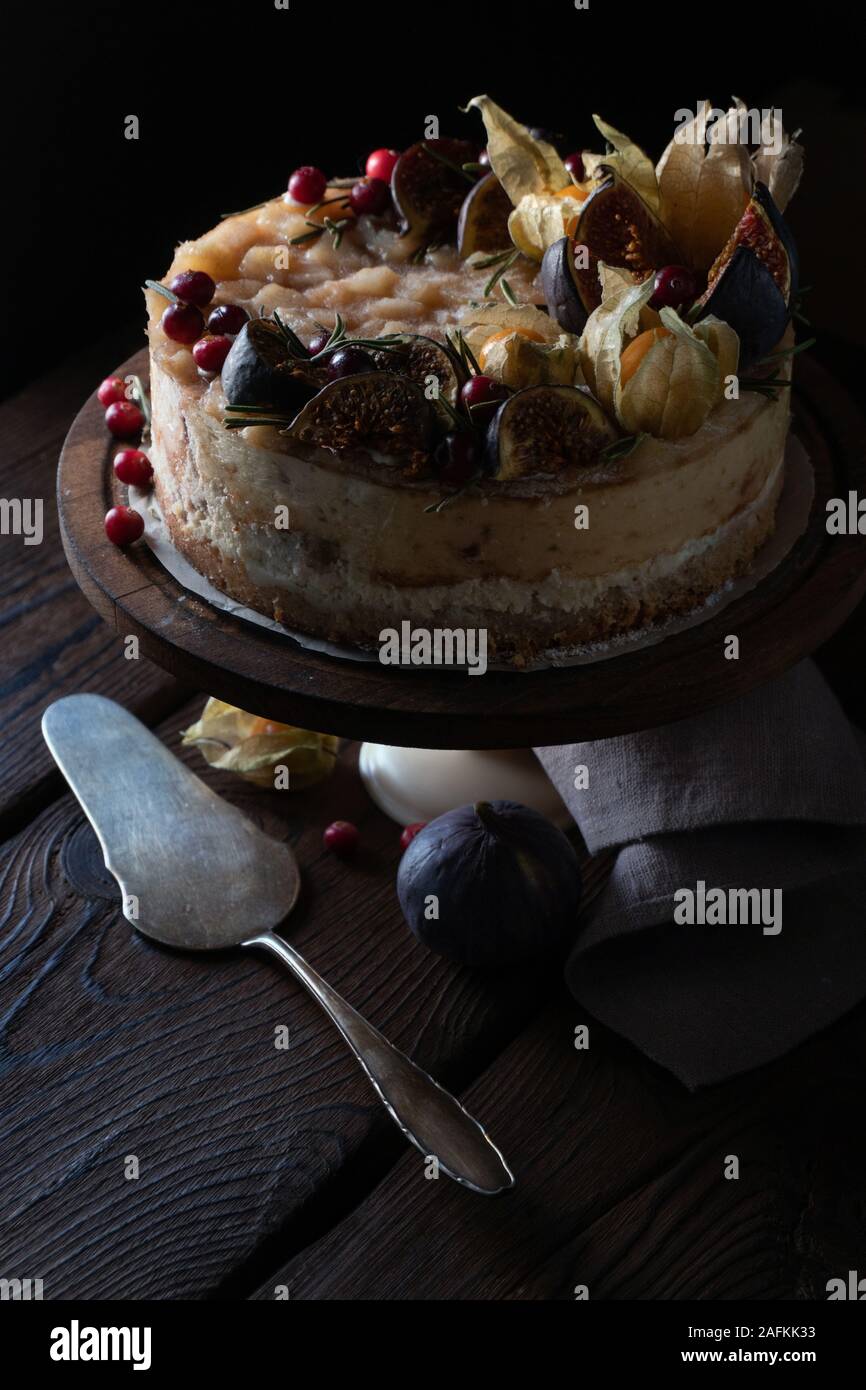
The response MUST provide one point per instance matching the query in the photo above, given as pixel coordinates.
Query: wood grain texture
(795, 609)
(51, 642)
(621, 1184)
(112, 1046)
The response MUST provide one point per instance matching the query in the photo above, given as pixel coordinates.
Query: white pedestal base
(419, 784)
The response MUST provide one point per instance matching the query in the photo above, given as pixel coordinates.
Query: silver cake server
(196, 873)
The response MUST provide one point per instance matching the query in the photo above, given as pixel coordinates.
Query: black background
(231, 99)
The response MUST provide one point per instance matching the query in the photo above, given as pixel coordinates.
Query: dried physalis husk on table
(235, 741)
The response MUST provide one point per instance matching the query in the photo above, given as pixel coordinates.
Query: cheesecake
(480, 392)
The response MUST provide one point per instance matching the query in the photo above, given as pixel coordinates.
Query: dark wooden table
(261, 1167)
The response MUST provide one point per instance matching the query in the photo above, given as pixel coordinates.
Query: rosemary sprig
(255, 207)
(161, 289)
(621, 448)
(463, 351)
(143, 401)
(508, 293)
(503, 263)
(768, 386)
(788, 352)
(449, 163)
(448, 499)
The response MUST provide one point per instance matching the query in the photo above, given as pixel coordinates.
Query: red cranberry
(574, 165)
(133, 467)
(456, 457)
(480, 392)
(112, 389)
(209, 353)
(380, 164)
(123, 525)
(193, 287)
(124, 418)
(227, 318)
(183, 323)
(316, 344)
(341, 836)
(410, 832)
(674, 285)
(349, 361)
(370, 196)
(307, 184)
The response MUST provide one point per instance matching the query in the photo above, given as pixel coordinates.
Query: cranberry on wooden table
(123, 525)
(133, 467)
(112, 389)
(124, 418)
(341, 836)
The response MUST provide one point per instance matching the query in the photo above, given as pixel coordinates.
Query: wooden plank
(52, 641)
(621, 1185)
(112, 1046)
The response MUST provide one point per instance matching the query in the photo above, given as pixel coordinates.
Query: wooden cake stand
(790, 613)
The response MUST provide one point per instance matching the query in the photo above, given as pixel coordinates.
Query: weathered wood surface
(51, 641)
(621, 1184)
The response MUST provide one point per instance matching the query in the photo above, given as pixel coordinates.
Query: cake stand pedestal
(784, 618)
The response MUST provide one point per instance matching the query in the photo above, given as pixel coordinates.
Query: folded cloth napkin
(768, 792)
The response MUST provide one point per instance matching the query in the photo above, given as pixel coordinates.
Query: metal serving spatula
(195, 873)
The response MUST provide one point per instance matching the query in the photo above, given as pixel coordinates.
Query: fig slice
(418, 358)
(763, 196)
(260, 371)
(483, 222)
(428, 186)
(546, 431)
(374, 411)
(560, 286)
(750, 283)
(617, 227)
(746, 296)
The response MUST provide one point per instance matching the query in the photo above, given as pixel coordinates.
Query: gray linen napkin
(767, 792)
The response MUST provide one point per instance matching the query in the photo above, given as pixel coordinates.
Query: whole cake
(498, 390)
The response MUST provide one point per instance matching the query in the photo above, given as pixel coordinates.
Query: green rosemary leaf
(143, 400)
(505, 264)
(789, 352)
(449, 164)
(306, 236)
(255, 207)
(621, 448)
(161, 289)
(508, 292)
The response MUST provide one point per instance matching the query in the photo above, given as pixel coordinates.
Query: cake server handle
(429, 1116)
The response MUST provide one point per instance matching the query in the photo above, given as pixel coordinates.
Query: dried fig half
(375, 411)
(560, 286)
(260, 371)
(616, 226)
(428, 187)
(418, 359)
(749, 284)
(483, 221)
(543, 431)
